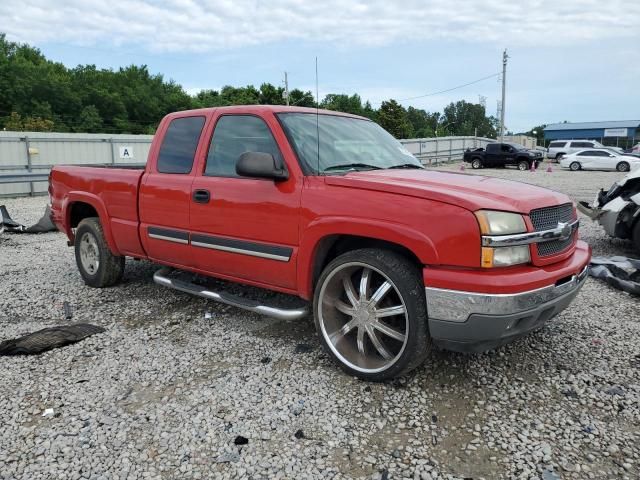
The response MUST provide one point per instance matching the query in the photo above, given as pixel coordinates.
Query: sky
(568, 60)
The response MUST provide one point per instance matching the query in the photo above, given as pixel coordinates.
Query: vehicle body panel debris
(618, 209)
(48, 338)
(43, 225)
(619, 272)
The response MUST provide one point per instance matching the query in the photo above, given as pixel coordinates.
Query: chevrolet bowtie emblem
(565, 230)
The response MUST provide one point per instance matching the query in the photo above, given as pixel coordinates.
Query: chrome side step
(161, 278)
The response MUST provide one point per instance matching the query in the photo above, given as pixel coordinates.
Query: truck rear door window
(179, 145)
(233, 136)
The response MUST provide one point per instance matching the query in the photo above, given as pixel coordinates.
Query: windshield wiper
(351, 166)
(407, 165)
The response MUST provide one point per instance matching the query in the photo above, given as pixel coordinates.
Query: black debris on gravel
(240, 440)
(48, 338)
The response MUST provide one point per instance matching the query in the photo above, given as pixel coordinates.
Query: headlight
(500, 223)
(505, 256)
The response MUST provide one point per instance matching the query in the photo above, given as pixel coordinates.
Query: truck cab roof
(257, 109)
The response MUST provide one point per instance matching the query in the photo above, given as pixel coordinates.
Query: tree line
(37, 94)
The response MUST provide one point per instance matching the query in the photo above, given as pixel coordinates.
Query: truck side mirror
(260, 165)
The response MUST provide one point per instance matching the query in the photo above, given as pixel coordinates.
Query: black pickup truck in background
(501, 155)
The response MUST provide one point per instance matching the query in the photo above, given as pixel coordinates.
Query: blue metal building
(623, 132)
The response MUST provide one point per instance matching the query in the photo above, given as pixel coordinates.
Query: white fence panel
(431, 151)
(37, 152)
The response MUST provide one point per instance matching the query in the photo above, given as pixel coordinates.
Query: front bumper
(475, 322)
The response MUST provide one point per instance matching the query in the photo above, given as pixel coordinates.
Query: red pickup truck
(391, 258)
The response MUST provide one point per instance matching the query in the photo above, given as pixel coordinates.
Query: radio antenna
(317, 116)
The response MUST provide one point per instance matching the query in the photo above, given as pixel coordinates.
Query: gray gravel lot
(167, 393)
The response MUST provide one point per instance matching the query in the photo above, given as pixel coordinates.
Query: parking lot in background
(180, 387)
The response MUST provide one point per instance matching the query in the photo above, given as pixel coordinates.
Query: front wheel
(574, 166)
(523, 165)
(476, 163)
(622, 167)
(98, 266)
(370, 313)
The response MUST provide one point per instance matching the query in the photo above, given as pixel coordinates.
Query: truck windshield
(345, 144)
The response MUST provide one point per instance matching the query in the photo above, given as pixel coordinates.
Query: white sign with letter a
(126, 152)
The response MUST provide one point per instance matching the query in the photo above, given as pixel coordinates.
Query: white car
(559, 148)
(599, 159)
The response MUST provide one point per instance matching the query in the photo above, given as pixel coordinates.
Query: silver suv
(558, 148)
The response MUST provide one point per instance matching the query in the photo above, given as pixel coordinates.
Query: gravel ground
(179, 387)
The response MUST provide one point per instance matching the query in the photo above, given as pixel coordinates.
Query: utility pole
(504, 82)
(286, 88)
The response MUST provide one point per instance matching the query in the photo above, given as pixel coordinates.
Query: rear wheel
(622, 167)
(98, 266)
(523, 165)
(476, 163)
(559, 156)
(370, 313)
(574, 166)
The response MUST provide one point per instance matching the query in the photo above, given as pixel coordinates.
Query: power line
(450, 89)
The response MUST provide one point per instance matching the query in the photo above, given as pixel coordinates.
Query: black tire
(476, 163)
(559, 156)
(110, 268)
(407, 288)
(623, 167)
(523, 165)
(575, 166)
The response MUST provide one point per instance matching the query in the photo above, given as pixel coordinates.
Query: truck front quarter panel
(435, 233)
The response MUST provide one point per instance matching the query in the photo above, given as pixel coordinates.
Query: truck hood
(472, 192)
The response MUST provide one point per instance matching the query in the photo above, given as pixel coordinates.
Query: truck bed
(109, 190)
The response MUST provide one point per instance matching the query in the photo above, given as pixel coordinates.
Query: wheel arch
(319, 247)
(81, 205)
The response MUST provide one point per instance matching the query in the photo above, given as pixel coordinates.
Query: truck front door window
(179, 145)
(233, 136)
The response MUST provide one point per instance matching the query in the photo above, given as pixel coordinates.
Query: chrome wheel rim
(574, 166)
(623, 167)
(476, 164)
(89, 253)
(363, 317)
(522, 167)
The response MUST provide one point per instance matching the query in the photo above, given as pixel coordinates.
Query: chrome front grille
(548, 218)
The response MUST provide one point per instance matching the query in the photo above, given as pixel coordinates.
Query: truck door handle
(201, 196)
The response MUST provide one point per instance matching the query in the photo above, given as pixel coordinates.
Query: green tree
(90, 120)
(14, 122)
(424, 124)
(343, 103)
(539, 135)
(393, 118)
(463, 118)
(271, 95)
(299, 98)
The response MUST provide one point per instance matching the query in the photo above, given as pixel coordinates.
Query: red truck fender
(322, 228)
(99, 206)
